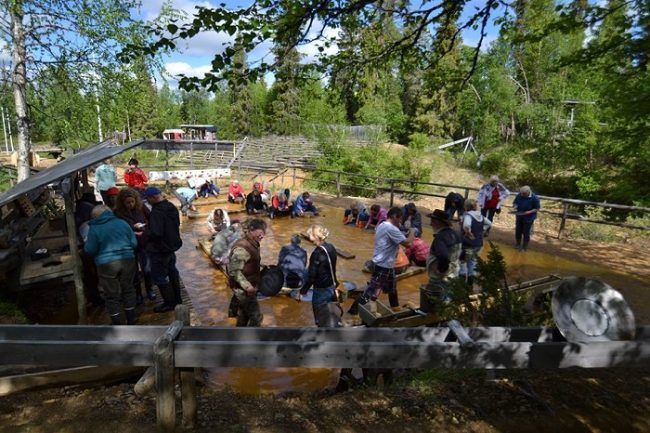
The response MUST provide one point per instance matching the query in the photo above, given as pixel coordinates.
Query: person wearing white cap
(490, 197)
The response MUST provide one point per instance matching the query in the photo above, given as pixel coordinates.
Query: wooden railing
(390, 185)
(184, 348)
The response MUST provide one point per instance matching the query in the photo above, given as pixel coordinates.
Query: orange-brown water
(210, 295)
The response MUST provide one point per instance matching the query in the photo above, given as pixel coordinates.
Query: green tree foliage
(283, 102)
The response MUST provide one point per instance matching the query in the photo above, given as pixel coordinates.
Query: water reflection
(210, 295)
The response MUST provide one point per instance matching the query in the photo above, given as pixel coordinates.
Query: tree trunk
(19, 58)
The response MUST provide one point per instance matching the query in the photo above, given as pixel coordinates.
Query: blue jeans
(468, 266)
(322, 297)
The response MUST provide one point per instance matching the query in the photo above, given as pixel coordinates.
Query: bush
(493, 306)
(368, 167)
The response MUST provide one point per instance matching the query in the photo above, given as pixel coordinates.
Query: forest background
(560, 100)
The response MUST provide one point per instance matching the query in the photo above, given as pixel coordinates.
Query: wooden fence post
(68, 196)
(392, 192)
(338, 184)
(163, 359)
(188, 378)
(294, 177)
(466, 193)
(565, 212)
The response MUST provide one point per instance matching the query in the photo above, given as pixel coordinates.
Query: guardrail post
(565, 212)
(392, 192)
(188, 378)
(163, 359)
(338, 184)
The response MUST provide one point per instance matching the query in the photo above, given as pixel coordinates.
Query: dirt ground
(454, 401)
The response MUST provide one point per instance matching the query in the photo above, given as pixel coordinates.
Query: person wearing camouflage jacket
(244, 275)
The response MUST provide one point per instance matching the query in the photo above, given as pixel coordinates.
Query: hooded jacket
(416, 218)
(163, 233)
(110, 239)
(477, 224)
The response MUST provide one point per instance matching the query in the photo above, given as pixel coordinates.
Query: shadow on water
(208, 290)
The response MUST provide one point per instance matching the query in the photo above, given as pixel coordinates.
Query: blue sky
(194, 56)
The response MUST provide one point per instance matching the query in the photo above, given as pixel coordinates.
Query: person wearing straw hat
(443, 263)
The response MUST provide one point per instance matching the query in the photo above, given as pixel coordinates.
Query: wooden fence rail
(179, 346)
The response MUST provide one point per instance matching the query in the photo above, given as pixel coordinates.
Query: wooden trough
(409, 272)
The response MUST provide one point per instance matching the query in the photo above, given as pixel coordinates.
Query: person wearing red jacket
(235, 191)
(418, 252)
(135, 177)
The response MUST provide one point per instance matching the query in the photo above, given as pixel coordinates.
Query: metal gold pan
(587, 310)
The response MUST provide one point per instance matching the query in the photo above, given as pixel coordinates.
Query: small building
(173, 134)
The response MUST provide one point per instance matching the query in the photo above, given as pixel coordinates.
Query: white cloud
(310, 50)
(205, 44)
(181, 68)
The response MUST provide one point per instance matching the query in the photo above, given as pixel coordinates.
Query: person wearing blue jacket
(105, 179)
(526, 206)
(304, 204)
(112, 243)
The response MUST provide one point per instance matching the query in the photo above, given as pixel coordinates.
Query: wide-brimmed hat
(440, 215)
(587, 310)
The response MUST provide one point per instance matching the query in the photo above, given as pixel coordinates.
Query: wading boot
(151, 295)
(168, 299)
(130, 316)
(176, 288)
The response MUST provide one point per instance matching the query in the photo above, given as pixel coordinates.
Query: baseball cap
(151, 191)
(112, 191)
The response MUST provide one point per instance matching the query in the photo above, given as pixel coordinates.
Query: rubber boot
(470, 282)
(116, 319)
(393, 300)
(176, 288)
(168, 299)
(130, 316)
(524, 247)
(151, 295)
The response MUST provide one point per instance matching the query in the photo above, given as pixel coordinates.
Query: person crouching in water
(473, 227)
(377, 216)
(279, 204)
(303, 204)
(356, 215)
(112, 243)
(218, 220)
(244, 274)
(236, 192)
(322, 275)
(254, 203)
(293, 262)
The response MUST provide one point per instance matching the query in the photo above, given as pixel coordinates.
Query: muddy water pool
(208, 290)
